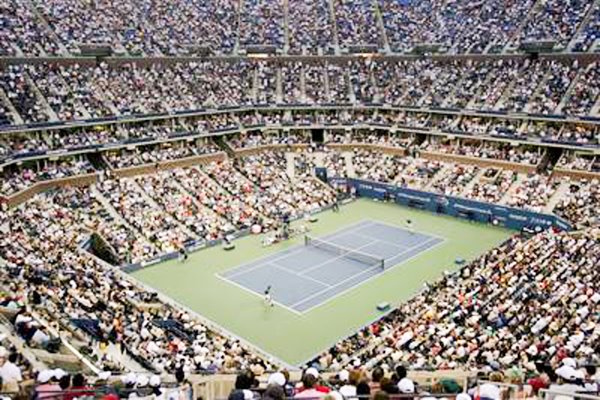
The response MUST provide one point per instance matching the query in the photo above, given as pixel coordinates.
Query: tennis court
(306, 276)
(296, 337)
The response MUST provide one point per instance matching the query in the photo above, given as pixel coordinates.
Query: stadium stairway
(254, 90)
(336, 40)
(278, 85)
(286, 26)
(7, 330)
(557, 196)
(303, 83)
(39, 19)
(447, 167)
(290, 165)
(349, 86)
(80, 108)
(538, 90)
(446, 102)
(381, 26)
(195, 200)
(349, 165)
(223, 145)
(41, 98)
(109, 208)
(377, 165)
(154, 204)
(583, 25)
(471, 103)
(319, 159)
(110, 105)
(596, 109)
(123, 359)
(505, 95)
(320, 183)
(377, 96)
(326, 84)
(510, 43)
(473, 181)
(212, 178)
(512, 189)
(239, 168)
(567, 96)
(4, 100)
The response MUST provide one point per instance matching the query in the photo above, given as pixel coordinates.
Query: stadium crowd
(57, 27)
(21, 145)
(262, 183)
(69, 288)
(19, 178)
(525, 313)
(56, 92)
(149, 215)
(385, 382)
(154, 154)
(529, 301)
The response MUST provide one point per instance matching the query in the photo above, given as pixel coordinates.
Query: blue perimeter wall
(512, 218)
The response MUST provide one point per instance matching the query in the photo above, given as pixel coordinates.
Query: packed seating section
(531, 301)
(43, 93)
(144, 216)
(58, 27)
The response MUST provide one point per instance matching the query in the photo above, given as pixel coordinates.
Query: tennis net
(345, 252)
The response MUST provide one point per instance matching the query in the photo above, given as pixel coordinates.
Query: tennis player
(409, 225)
(183, 255)
(268, 299)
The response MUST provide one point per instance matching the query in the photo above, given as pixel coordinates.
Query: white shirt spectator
(10, 373)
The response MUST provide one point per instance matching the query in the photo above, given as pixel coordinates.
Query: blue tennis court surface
(304, 277)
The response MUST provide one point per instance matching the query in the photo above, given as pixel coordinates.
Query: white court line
(229, 279)
(261, 264)
(347, 229)
(256, 294)
(312, 296)
(336, 258)
(359, 274)
(289, 271)
(406, 230)
(343, 292)
(422, 244)
(378, 240)
(286, 252)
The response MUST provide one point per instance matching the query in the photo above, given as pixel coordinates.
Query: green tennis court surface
(293, 337)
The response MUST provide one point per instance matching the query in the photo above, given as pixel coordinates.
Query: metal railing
(549, 394)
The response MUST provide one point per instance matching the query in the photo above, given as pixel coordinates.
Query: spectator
(348, 381)
(243, 387)
(48, 387)
(363, 389)
(310, 388)
(274, 392)
(79, 388)
(9, 371)
(406, 386)
(376, 377)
